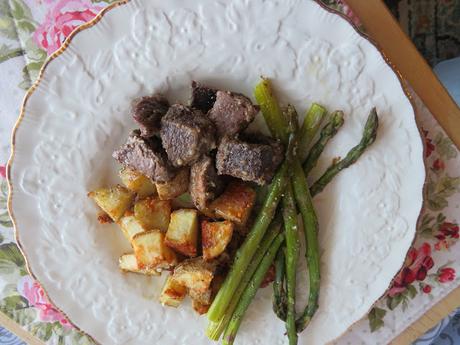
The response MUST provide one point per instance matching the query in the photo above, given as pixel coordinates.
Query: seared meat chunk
(232, 112)
(186, 134)
(148, 111)
(256, 162)
(146, 156)
(205, 184)
(203, 97)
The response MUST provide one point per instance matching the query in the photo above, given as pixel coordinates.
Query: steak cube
(148, 111)
(205, 184)
(232, 112)
(203, 97)
(186, 134)
(146, 156)
(256, 162)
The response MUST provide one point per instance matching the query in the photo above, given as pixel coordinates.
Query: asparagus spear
(327, 133)
(271, 110)
(250, 291)
(292, 254)
(215, 329)
(279, 294)
(246, 252)
(310, 225)
(369, 135)
(310, 126)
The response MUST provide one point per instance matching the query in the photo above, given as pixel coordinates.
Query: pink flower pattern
(61, 20)
(36, 297)
(3, 171)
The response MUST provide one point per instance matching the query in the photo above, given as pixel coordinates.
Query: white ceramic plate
(78, 114)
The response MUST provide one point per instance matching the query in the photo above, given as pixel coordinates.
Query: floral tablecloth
(30, 30)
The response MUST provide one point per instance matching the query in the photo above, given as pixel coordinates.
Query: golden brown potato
(215, 236)
(195, 274)
(104, 218)
(136, 182)
(182, 234)
(200, 308)
(128, 263)
(236, 203)
(177, 186)
(151, 251)
(130, 225)
(173, 293)
(114, 201)
(204, 297)
(153, 213)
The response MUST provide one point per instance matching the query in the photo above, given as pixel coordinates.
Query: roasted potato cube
(177, 186)
(200, 308)
(201, 301)
(130, 225)
(236, 203)
(215, 236)
(195, 274)
(114, 201)
(104, 218)
(173, 293)
(201, 297)
(128, 263)
(137, 182)
(153, 213)
(182, 234)
(151, 251)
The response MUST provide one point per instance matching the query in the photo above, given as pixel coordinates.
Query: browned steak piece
(232, 112)
(205, 184)
(186, 134)
(146, 156)
(203, 97)
(148, 111)
(256, 162)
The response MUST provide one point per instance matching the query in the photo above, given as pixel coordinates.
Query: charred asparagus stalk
(250, 291)
(215, 329)
(327, 133)
(369, 135)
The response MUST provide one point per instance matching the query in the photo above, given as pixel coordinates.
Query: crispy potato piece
(104, 218)
(200, 308)
(137, 182)
(153, 213)
(215, 236)
(195, 274)
(202, 301)
(130, 225)
(182, 234)
(204, 297)
(128, 263)
(114, 201)
(173, 293)
(177, 186)
(236, 203)
(151, 251)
